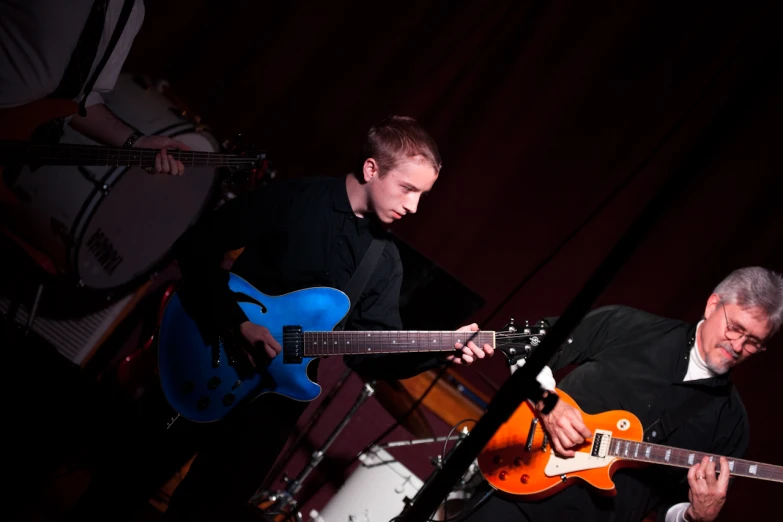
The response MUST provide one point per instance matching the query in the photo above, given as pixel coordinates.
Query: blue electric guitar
(203, 382)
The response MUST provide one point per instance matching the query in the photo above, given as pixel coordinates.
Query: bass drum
(106, 228)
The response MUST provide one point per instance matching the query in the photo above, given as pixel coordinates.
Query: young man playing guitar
(301, 234)
(674, 378)
(52, 50)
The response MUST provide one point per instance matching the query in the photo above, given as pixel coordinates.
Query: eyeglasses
(733, 332)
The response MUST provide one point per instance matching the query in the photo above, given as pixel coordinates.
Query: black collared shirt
(635, 361)
(297, 234)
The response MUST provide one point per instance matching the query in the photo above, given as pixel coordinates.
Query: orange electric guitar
(519, 459)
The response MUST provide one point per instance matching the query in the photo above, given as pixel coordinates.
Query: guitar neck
(96, 155)
(670, 456)
(320, 344)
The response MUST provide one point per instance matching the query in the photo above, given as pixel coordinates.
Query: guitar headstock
(249, 166)
(517, 341)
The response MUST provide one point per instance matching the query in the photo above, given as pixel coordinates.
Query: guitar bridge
(531, 433)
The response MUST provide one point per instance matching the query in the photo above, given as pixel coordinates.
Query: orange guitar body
(516, 460)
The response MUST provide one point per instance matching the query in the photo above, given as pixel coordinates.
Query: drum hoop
(166, 131)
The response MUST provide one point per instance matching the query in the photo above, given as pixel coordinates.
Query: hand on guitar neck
(707, 490)
(565, 427)
(103, 126)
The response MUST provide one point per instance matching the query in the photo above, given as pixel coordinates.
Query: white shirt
(38, 37)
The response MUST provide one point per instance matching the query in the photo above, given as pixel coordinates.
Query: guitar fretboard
(96, 155)
(320, 344)
(667, 455)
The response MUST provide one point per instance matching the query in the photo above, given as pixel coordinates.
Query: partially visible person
(52, 48)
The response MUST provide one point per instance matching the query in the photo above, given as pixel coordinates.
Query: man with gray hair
(674, 376)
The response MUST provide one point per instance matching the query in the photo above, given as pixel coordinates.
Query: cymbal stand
(284, 501)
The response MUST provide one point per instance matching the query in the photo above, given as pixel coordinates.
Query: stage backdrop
(557, 121)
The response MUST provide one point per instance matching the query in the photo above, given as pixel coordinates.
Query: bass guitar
(519, 459)
(17, 125)
(202, 382)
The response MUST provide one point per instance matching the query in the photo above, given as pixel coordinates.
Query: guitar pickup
(601, 441)
(293, 344)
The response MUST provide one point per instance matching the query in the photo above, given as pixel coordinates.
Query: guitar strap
(78, 69)
(127, 7)
(76, 77)
(359, 279)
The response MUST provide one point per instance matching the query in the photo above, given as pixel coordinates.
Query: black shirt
(635, 361)
(297, 234)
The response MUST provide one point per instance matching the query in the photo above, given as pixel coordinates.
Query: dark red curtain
(557, 121)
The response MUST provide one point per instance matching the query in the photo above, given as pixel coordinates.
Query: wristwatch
(133, 138)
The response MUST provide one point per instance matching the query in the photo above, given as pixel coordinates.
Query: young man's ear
(370, 170)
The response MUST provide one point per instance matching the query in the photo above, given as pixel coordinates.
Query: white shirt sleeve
(544, 378)
(676, 513)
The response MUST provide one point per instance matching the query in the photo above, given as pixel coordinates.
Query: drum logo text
(104, 251)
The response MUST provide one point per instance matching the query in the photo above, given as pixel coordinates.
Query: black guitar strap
(77, 72)
(76, 78)
(127, 7)
(358, 281)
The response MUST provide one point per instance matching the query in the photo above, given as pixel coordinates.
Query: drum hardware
(107, 228)
(283, 502)
(311, 421)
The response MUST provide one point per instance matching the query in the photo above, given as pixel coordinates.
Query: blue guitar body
(196, 377)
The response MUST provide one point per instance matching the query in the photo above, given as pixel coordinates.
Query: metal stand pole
(284, 501)
(314, 418)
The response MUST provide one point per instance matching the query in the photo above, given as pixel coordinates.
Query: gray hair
(755, 286)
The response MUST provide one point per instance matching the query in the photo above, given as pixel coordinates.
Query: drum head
(137, 222)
